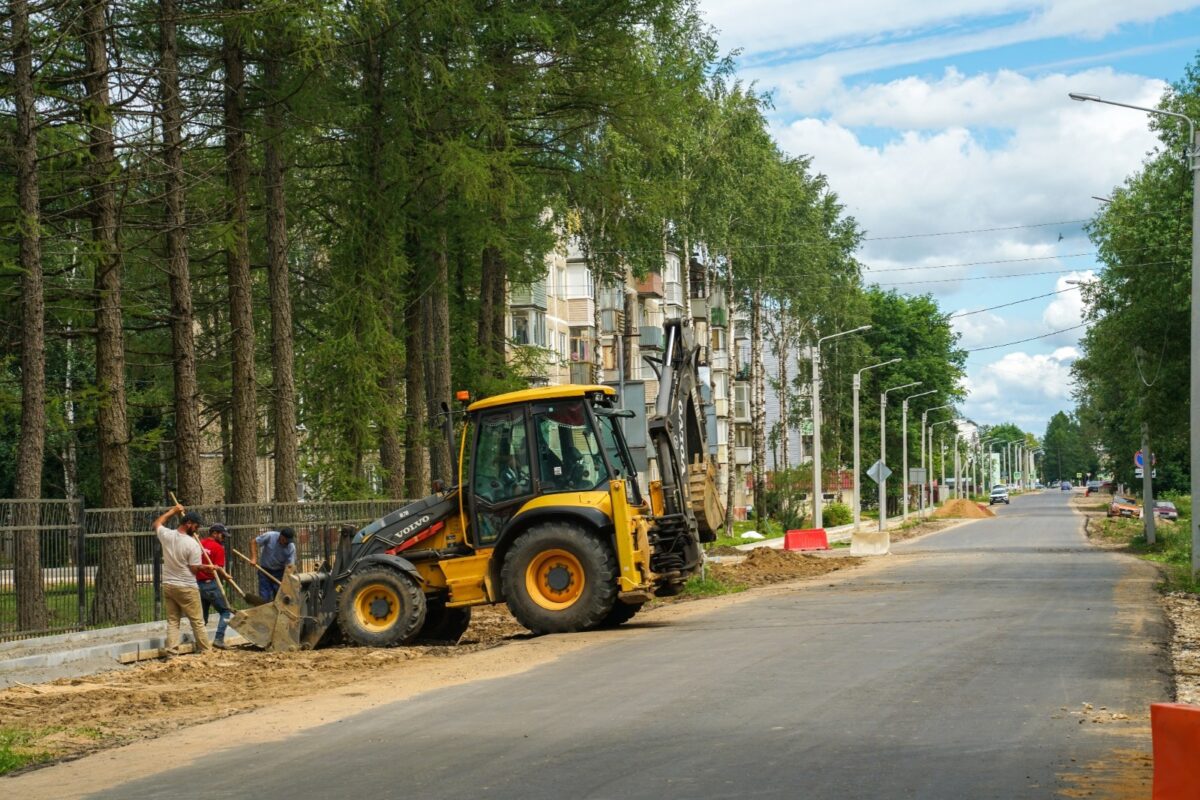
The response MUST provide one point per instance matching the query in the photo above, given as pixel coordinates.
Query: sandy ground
(1182, 609)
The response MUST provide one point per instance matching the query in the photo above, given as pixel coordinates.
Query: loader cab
(563, 440)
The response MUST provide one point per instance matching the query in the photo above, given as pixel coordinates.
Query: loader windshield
(618, 453)
(568, 452)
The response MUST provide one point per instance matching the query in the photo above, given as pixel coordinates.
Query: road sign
(1078, 476)
(916, 475)
(1138, 461)
(1140, 473)
(878, 472)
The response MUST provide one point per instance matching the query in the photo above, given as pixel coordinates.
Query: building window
(529, 328)
(520, 329)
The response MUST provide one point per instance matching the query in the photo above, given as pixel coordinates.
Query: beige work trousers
(184, 601)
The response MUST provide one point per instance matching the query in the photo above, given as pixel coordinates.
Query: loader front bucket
(279, 626)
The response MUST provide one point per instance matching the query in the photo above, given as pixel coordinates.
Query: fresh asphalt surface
(941, 676)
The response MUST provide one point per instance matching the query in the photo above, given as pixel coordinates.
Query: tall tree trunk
(758, 400)
(492, 310)
(439, 358)
(416, 453)
(183, 347)
(391, 448)
(244, 484)
(116, 589)
(730, 394)
(283, 394)
(32, 614)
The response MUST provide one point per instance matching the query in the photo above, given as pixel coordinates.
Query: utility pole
(883, 449)
(818, 512)
(1148, 509)
(904, 448)
(857, 385)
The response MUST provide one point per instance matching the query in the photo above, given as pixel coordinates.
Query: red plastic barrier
(1176, 731)
(806, 539)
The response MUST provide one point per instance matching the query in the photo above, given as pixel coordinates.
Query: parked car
(999, 495)
(1065, 486)
(1093, 486)
(1166, 509)
(1038, 485)
(1123, 507)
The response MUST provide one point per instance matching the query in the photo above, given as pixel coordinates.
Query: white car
(999, 495)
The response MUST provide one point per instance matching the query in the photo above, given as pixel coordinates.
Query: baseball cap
(287, 533)
(193, 517)
(217, 527)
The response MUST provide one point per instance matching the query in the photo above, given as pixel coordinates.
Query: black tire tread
(405, 629)
(600, 566)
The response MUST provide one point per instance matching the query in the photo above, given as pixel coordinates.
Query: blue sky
(944, 116)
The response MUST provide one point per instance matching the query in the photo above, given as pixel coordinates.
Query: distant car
(999, 495)
(1123, 507)
(1038, 485)
(1065, 486)
(1166, 509)
(1093, 486)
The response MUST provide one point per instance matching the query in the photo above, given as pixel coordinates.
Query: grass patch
(1172, 547)
(710, 586)
(770, 529)
(17, 750)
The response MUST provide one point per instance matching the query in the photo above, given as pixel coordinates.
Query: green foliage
(835, 514)
(710, 586)
(17, 749)
(1135, 362)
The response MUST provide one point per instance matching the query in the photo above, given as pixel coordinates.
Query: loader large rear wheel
(381, 607)
(558, 578)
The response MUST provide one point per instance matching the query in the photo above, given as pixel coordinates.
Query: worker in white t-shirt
(181, 561)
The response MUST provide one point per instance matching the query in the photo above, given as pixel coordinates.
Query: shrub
(835, 514)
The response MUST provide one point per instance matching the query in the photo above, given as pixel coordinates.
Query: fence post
(81, 561)
(156, 577)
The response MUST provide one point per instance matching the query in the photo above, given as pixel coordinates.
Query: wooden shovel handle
(246, 558)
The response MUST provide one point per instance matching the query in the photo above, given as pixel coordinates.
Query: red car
(1124, 507)
(1165, 509)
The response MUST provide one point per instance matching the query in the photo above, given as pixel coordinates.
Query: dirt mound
(963, 509)
(765, 565)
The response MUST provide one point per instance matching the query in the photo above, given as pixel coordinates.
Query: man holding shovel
(272, 552)
(211, 595)
(181, 562)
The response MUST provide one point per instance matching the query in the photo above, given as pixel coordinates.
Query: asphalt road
(943, 675)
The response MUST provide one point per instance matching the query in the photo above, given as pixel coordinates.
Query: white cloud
(861, 35)
(1021, 387)
(1066, 309)
(1055, 155)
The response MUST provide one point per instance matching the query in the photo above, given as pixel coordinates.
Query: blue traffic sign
(1138, 461)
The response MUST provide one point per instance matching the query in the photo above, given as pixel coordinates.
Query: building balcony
(743, 455)
(581, 311)
(720, 360)
(650, 337)
(650, 286)
(718, 317)
(581, 372)
(531, 296)
(612, 321)
(673, 293)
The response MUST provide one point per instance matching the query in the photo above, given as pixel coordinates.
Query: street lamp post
(1194, 420)
(857, 465)
(904, 447)
(883, 448)
(929, 474)
(942, 442)
(816, 409)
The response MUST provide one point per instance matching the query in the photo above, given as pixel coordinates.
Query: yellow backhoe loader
(547, 516)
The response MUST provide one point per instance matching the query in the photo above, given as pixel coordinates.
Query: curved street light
(1194, 393)
(904, 447)
(816, 412)
(883, 448)
(857, 458)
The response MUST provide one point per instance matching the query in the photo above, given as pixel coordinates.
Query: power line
(1013, 303)
(867, 268)
(976, 230)
(1030, 339)
(1013, 275)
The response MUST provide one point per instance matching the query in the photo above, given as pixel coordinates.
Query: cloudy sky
(951, 117)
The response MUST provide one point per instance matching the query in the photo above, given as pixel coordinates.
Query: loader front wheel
(381, 607)
(558, 579)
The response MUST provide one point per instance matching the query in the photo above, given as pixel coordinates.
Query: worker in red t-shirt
(212, 560)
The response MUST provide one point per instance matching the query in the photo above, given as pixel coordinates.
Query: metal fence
(85, 557)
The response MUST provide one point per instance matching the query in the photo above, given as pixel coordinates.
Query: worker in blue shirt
(273, 551)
